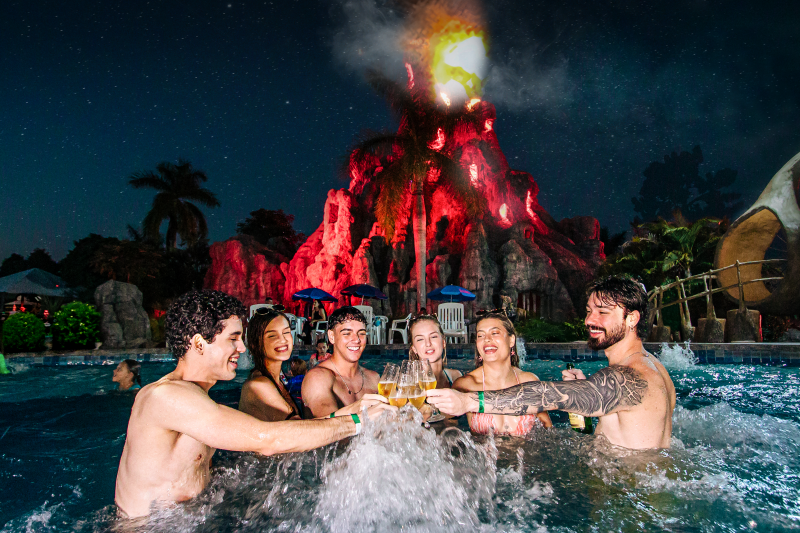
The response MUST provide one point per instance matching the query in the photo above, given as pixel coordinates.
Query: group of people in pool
(175, 427)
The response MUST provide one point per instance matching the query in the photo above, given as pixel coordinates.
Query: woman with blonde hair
(497, 368)
(428, 342)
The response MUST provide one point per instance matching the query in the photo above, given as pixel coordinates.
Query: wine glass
(399, 395)
(427, 381)
(416, 396)
(388, 381)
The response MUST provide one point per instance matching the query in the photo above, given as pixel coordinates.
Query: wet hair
(298, 366)
(136, 369)
(422, 317)
(256, 329)
(321, 340)
(625, 292)
(508, 326)
(199, 312)
(343, 314)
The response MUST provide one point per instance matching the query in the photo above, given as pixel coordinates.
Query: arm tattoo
(601, 393)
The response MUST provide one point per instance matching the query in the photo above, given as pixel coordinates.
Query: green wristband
(358, 423)
(480, 402)
(333, 415)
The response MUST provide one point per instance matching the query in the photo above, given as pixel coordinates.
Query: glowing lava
(438, 143)
(410, 76)
(488, 124)
(504, 221)
(472, 103)
(473, 173)
(445, 99)
(529, 205)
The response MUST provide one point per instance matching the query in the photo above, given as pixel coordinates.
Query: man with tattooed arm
(634, 396)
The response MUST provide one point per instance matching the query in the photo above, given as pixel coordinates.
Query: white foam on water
(521, 351)
(677, 357)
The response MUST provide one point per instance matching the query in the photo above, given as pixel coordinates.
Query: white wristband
(358, 423)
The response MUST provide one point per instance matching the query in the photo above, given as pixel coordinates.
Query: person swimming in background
(128, 375)
(497, 367)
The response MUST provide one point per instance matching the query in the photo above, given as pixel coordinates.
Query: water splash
(521, 351)
(677, 358)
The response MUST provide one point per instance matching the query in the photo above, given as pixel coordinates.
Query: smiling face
(278, 342)
(348, 338)
(222, 356)
(493, 341)
(606, 323)
(427, 340)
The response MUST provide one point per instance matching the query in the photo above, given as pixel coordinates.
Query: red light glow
(437, 144)
(504, 221)
(529, 205)
(410, 76)
(473, 173)
(445, 99)
(488, 124)
(472, 103)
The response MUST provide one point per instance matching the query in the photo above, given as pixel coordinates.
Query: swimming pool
(734, 465)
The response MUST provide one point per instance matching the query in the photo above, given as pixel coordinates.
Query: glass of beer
(416, 396)
(398, 397)
(388, 380)
(427, 381)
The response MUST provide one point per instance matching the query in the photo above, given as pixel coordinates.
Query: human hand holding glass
(427, 381)
(388, 381)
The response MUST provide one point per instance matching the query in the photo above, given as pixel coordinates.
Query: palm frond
(393, 186)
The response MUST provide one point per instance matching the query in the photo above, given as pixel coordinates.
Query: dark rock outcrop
(124, 322)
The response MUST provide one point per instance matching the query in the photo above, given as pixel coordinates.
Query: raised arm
(612, 389)
(186, 409)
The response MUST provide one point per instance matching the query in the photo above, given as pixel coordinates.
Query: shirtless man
(634, 396)
(339, 380)
(175, 427)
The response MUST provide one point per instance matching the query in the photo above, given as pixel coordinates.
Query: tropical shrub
(539, 330)
(23, 332)
(76, 325)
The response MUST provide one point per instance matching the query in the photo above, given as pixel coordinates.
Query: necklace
(345, 382)
(634, 353)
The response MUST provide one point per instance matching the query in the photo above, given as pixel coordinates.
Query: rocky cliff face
(516, 249)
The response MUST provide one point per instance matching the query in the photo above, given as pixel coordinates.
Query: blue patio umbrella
(365, 291)
(451, 293)
(312, 293)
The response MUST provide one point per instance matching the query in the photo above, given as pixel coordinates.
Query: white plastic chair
(368, 313)
(451, 317)
(377, 333)
(319, 332)
(401, 327)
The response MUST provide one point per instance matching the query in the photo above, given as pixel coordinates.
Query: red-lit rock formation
(516, 249)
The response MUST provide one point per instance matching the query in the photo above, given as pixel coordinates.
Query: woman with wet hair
(265, 395)
(428, 342)
(128, 375)
(497, 368)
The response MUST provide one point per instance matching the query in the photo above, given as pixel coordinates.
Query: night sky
(267, 96)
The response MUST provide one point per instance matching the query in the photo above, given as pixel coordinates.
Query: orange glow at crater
(438, 143)
(445, 99)
(472, 103)
(473, 173)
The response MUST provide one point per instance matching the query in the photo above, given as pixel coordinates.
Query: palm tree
(177, 184)
(418, 157)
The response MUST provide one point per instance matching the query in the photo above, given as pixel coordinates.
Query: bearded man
(634, 396)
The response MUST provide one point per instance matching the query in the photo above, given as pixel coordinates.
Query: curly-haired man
(175, 427)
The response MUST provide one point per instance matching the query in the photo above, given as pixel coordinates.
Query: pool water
(734, 465)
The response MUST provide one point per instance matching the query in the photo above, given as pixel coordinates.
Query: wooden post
(659, 318)
(710, 314)
(741, 287)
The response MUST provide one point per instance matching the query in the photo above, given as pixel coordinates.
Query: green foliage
(662, 251)
(12, 264)
(157, 329)
(38, 258)
(76, 325)
(273, 229)
(23, 332)
(539, 330)
(676, 184)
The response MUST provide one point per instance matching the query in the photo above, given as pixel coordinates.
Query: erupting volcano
(483, 226)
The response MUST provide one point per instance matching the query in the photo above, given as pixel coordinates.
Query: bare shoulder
(467, 382)
(371, 374)
(453, 373)
(318, 377)
(525, 377)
